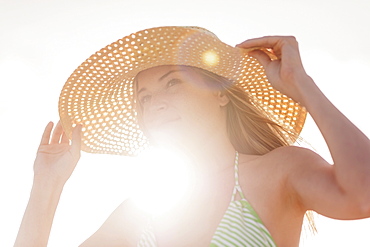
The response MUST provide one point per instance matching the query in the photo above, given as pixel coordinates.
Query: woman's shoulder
(296, 157)
(267, 179)
(282, 160)
(288, 155)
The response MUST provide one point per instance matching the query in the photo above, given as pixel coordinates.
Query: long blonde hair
(250, 129)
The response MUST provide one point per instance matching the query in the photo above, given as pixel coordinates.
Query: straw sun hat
(99, 93)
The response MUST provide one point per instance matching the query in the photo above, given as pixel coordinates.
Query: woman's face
(177, 106)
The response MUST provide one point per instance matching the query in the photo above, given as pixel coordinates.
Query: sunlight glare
(210, 58)
(163, 179)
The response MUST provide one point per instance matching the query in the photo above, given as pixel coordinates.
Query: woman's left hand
(341, 190)
(286, 73)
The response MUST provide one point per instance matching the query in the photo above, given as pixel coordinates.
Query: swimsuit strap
(237, 185)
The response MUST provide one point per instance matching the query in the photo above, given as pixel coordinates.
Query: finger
(76, 140)
(46, 135)
(266, 42)
(57, 133)
(261, 56)
(65, 138)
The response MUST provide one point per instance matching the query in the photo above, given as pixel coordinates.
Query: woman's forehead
(157, 73)
(160, 69)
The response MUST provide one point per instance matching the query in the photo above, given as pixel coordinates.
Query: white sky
(42, 42)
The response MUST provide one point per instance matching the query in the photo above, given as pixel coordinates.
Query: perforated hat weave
(99, 93)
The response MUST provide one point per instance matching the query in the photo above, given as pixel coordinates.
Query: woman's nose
(158, 102)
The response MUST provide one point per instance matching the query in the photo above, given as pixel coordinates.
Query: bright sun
(161, 180)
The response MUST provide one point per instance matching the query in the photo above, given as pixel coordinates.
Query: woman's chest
(194, 223)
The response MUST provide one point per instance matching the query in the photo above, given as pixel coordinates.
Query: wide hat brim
(100, 92)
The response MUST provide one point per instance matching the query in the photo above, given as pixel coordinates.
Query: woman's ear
(223, 98)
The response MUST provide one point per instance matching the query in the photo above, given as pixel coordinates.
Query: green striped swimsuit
(240, 226)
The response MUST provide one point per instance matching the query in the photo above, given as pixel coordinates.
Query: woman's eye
(145, 99)
(173, 82)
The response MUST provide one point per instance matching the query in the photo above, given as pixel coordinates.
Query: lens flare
(210, 58)
(163, 179)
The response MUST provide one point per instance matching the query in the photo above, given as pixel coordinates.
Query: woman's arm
(349, 147)
(349, 178)
(38, 217)
(54, 164)
(122, 228)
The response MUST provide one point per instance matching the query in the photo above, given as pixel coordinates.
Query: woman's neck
(208, 157)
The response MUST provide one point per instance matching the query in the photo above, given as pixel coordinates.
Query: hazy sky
(42, 42)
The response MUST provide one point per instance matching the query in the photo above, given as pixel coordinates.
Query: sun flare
(210, 58)
(162, 180)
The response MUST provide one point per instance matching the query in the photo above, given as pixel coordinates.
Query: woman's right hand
(57, 157)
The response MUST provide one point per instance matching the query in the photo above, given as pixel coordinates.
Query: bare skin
(54, 164)
(280, 185)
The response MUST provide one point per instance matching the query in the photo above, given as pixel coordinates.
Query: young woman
(183, 89)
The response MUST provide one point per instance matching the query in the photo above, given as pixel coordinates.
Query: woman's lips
(168, 121)
(162, 122)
